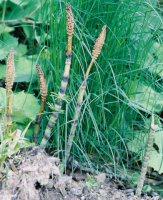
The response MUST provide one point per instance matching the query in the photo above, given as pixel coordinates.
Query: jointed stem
(10, 74)
(43, 91)
(146, 158)
(65, 77)
(95, 53)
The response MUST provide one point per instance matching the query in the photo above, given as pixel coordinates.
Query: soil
(38, 177)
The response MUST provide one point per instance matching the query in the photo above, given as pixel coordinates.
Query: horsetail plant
(10, 74)
(65, 77)
(43, 91)
(95, 53)
(146, 158)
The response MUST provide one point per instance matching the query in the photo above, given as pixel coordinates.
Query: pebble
(83, 198)
(75, 191)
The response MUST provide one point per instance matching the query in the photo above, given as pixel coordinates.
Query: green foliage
(156, 157)
(155, 59)
(25, 106)
(147, 188)
(125, 86)
(7, 42)
(91, 182)
(146, 97)
(25, 72)
(138, 144)
(12, 144)
(135, 177)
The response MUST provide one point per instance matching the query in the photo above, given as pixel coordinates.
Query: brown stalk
(95, 53)
(43, 91)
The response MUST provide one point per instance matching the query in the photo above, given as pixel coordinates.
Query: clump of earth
(38, 177)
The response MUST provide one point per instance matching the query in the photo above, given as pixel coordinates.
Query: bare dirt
(38, 177)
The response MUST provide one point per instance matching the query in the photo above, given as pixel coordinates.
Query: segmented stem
(43, 91)
(65, 77)
(146, 158)
(10, 74)
(95, 53)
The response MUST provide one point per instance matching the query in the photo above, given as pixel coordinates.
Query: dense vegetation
(123, 90)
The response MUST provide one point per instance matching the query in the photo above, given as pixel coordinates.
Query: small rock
(71, 197)
(102, 186)
(101, 177)
(83, 198)
(79, 176)
(75, 191)
(50, 184)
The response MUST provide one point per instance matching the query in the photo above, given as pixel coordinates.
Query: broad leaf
(154, 62)
(25, 106)
(138, 145)
(22, 9)
(146, 97)
(5, 29)
(6, 43)
(24, 67)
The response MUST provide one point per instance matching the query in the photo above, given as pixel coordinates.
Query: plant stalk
(95, 53)
(146, 159)
(10, 74)
(65, 77)
(43, 91)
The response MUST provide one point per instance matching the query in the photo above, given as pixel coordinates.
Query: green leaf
(21, 50)
(5, 29)
(29, 32)
(6, 43)
(154, 61)
(29, 132)
(138, 145)
(22, 9)
(147, 188)
(25, 106)
(146, 97)
(134, 178)
(21, 2)
(25, 70)
(156, 157)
